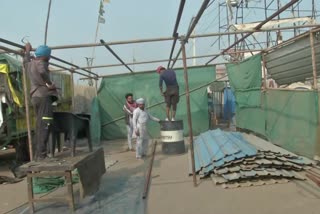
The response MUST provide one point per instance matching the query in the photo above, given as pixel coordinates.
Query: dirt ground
(171, 191)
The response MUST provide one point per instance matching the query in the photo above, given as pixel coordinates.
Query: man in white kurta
(140, 119)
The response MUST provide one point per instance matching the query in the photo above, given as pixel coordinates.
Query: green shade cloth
(112, 92)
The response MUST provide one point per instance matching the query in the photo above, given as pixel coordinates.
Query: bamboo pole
(264, 71)
(72, 91)
(186, 81)
(26, 102)
(162, 60)
(47, 23)
(126, 42)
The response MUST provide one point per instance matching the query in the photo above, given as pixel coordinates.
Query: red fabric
(159, 69)
(132, 106)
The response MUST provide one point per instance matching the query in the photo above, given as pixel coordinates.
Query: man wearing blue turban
(43, 92)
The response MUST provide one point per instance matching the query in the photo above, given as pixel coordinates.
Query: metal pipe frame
(257, 27)
(115, 55)
(50, 63)
(126, 42)
(194, 23)
(53, 57)
(162, 60)
(186, 82)
(175, 34)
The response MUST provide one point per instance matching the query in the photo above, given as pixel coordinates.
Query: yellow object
(4, 68)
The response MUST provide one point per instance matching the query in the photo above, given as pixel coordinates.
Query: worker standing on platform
(171, 95)
(140, 119)
(128, 109)
(43, 92)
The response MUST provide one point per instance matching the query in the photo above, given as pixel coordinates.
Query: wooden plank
(55, 199)
(90, 172)
(59, 163)
(45, 174)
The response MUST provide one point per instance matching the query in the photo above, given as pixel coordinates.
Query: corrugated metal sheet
(292, 63)
(215, 148)
(235, 160)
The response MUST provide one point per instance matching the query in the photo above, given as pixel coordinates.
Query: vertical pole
(72, 91)
(30, 192)
(264, 70)
(266, 16)
(194, 61)
(96, 86)
(313, 56)
(219, 27)
(26, 103)
(188, 109)
(47, 23)
(314, 66)
(68, 177)
(228, 24)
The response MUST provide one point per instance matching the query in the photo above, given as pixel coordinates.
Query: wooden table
(91, 163)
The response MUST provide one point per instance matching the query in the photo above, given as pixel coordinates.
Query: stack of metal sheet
(234, 159)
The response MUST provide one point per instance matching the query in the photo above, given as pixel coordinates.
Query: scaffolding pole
(259, 26)
(126, 42)
(162, 60)
(186, 82)
(53, 57)
(115, 55)
(175, 33)
(193, 25)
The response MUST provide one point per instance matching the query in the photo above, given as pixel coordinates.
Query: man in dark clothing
(43, 93)
(171, 94)
(128, 109)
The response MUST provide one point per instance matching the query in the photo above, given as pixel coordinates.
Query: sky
(75, 22)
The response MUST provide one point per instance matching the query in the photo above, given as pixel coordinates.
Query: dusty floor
(171, 191)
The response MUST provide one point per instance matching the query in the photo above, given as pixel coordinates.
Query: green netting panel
(286, 118)
(113, 89)
(95, 122)
(245, 80)
(292, 120)
(252, 118)
(246, 74)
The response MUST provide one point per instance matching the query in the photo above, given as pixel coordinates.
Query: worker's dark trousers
(44, 117)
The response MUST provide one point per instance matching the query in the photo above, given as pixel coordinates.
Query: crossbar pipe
(125, 42)
(115, 55)
(175, 34)
(53, 57)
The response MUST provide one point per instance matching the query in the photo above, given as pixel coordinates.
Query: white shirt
(141, 117)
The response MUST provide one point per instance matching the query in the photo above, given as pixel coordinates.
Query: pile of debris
(232, 161)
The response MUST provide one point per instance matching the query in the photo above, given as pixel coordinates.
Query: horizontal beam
(163, 60)
(152, 71)
(125, 42)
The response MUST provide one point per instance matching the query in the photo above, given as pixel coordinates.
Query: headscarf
(43, 51)
(140, 101)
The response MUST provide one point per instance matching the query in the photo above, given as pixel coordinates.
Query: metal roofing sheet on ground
(292, 63)
(215, 148)
(234, 162)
